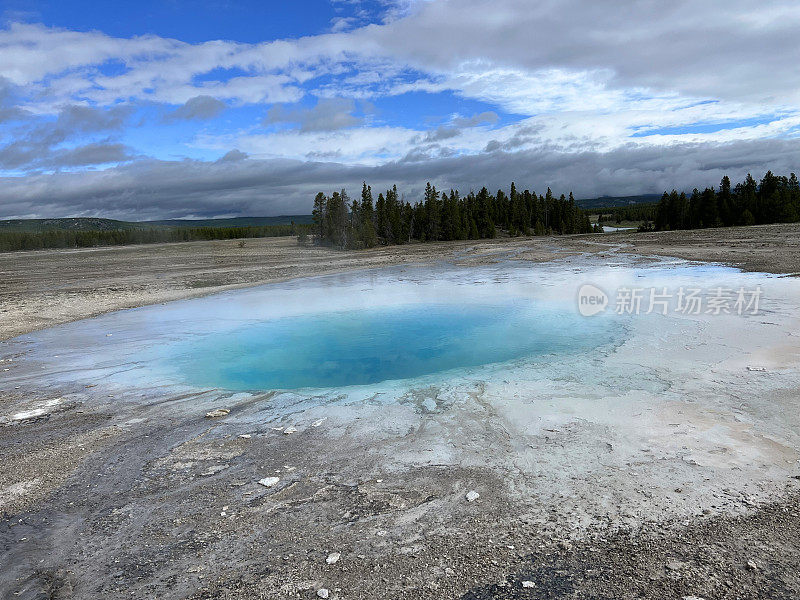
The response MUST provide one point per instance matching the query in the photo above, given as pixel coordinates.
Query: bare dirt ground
(764, 248)
(39, 289)
(122, 499)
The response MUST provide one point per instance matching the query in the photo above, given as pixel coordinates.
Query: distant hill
(615, 201)
(97, 224)
(76, 224)
(233, 221)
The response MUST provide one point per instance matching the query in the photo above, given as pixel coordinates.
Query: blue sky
(205, 108)
(189, 20)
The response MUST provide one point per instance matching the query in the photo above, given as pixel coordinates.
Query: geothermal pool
(374, 345)
(396, 326)
(383, 331)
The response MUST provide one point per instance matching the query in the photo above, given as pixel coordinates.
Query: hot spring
(387, 330)
(372, 345)
(327, 333)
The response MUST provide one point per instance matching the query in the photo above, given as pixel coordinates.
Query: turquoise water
(360, 347)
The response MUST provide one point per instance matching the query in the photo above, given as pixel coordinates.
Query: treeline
(618, 214)
(345, 223)
(65, 238)
(775, 199)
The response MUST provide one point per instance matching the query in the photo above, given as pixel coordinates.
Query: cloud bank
(237, 185)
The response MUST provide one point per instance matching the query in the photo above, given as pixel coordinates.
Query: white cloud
(587, 78)
(582, 53)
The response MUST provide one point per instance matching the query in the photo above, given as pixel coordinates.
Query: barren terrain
(115, 497)
(39, 289)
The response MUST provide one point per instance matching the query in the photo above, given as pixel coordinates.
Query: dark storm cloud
(329, 114)
(523, 136)
(8, 110)
(75, 118)
(485, 118)
(233, 156)
(91, 154)
(149, 188)
(199, 107)
(37, 144)
(442, 133)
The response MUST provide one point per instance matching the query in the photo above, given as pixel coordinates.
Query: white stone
(333, 558)
(269, 481)
(528, 584)
(472, 495)
(218, 412)
(323, 593)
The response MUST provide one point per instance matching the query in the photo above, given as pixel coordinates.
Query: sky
(214, 108)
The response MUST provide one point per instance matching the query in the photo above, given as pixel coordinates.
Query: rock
(472, 495)
(675, 565)
(333, 558)
(758, 369)
(528, 584)
(213, 470)
(269, 481)
(245, 436)
(218, 412)
(693, 598)
(752, 565)
(289, 430)
(323, 593)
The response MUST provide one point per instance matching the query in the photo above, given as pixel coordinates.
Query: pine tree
(366, 223)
